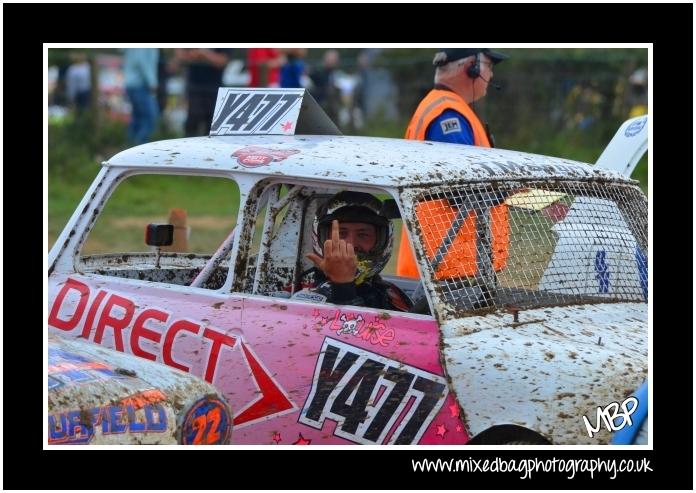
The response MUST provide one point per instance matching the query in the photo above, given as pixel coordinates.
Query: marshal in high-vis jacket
(450, 247)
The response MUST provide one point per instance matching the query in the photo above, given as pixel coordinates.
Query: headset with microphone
(474, 72)
(492, 84)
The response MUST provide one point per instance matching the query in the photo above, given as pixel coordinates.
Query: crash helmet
(356, 207)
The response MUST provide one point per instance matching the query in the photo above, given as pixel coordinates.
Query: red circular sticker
(254, 160)
(254, 156)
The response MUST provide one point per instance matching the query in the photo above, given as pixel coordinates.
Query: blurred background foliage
(555, 101)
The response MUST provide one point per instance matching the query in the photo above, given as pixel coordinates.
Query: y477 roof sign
(267, 112)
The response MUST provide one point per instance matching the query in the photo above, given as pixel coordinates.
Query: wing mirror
(159, 235)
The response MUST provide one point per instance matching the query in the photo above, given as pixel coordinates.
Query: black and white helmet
(360, 208)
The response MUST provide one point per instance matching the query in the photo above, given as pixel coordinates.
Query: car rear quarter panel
(548, 370)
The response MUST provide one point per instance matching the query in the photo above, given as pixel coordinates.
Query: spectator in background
(462, 76)
(325, 91)
(294, 68)
(162, 77)
(639, 92)
(264, 66)
(78, 82)
(204, 78)
(60, 97)
(140, 79)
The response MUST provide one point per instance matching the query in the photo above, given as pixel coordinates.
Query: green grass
(144, 199)
(63, 198)
(149, 194)
(126, 234)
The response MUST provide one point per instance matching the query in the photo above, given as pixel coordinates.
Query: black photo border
(27, 26)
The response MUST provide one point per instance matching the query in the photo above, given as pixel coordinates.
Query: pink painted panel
(195, 333)
(352, 376)
(294, 373)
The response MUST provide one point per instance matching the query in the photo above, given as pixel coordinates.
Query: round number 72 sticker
(207, 423)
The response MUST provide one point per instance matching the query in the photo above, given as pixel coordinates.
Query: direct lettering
(92, 312)
(71, 323)
(139, 330)
(117, 324)
(218, 340)
(119, 313)
(169, 342)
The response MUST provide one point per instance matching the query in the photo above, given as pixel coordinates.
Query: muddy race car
(104, 397)
(530, 305)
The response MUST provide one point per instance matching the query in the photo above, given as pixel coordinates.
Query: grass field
(144, 199)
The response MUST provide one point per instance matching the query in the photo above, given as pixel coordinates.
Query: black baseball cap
(446, 55)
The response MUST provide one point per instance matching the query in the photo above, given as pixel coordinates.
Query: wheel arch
(507, 433)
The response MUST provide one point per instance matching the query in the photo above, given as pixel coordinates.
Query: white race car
(531, 292)
(100, 396)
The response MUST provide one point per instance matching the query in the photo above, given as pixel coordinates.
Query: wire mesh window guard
(534, 244)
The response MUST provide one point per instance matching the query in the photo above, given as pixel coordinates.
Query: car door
(105, 289)
(331, 374)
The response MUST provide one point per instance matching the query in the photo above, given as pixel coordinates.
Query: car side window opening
(276, 264)
(270, 239)
(203, 211)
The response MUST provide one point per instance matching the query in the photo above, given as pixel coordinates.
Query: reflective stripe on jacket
(433, 105)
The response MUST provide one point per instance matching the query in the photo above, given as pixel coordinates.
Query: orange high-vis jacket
(450, 257)
(433, 105)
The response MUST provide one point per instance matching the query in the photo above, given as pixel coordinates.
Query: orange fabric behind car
(436, 218)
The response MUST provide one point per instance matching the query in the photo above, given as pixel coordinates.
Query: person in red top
(264, 66)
